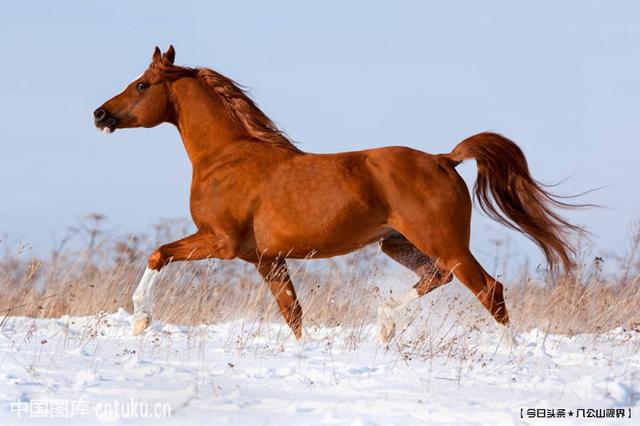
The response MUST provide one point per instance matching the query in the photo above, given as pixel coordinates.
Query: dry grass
(92, 271)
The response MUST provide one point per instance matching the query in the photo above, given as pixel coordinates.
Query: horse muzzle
(104, 121)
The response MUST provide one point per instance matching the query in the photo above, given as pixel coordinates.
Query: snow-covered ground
(75, 371)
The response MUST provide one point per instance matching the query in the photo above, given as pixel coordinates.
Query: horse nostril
(99, 114)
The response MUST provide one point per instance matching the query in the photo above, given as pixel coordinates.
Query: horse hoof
(508, 334)
(511, 337)
(386, 326)
(141, 321)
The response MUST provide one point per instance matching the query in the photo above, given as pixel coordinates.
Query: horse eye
(141, 86)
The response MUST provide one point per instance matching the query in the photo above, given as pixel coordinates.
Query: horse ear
(156, 55)
(170, 54)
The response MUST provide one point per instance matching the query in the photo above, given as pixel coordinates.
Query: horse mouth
(107, 126)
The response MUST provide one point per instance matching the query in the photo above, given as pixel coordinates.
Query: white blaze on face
(141, 74)
(125, 87)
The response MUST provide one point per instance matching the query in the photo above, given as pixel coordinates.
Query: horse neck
(206, 128)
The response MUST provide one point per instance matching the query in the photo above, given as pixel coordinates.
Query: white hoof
(141, 321)
(508, 334)
(386, 325)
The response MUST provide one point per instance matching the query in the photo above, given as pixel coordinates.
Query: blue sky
(560, 78)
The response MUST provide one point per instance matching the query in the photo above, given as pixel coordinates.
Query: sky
(559, 78)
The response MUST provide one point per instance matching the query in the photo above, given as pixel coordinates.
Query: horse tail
(508, 194)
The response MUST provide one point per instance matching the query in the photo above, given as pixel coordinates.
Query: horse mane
(242, 109)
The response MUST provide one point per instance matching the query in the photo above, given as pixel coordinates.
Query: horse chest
(215, 208)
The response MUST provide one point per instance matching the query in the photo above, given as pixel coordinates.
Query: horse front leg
(201, 245)
(276, 275)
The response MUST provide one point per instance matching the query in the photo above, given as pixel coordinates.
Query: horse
(256, 196)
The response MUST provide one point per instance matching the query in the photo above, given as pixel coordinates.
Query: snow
(256, 373)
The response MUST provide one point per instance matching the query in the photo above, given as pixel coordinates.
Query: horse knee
(157, 260)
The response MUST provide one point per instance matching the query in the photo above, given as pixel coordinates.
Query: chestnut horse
(257, 197)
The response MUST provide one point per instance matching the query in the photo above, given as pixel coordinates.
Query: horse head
(145, 102)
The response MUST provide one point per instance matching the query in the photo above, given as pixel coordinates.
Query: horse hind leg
(431, 276)
(491, 295)
(488, 290)
(453, 255)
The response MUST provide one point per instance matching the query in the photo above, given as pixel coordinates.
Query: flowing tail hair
(508, 194)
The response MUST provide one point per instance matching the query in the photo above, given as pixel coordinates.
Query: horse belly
(325, 230)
